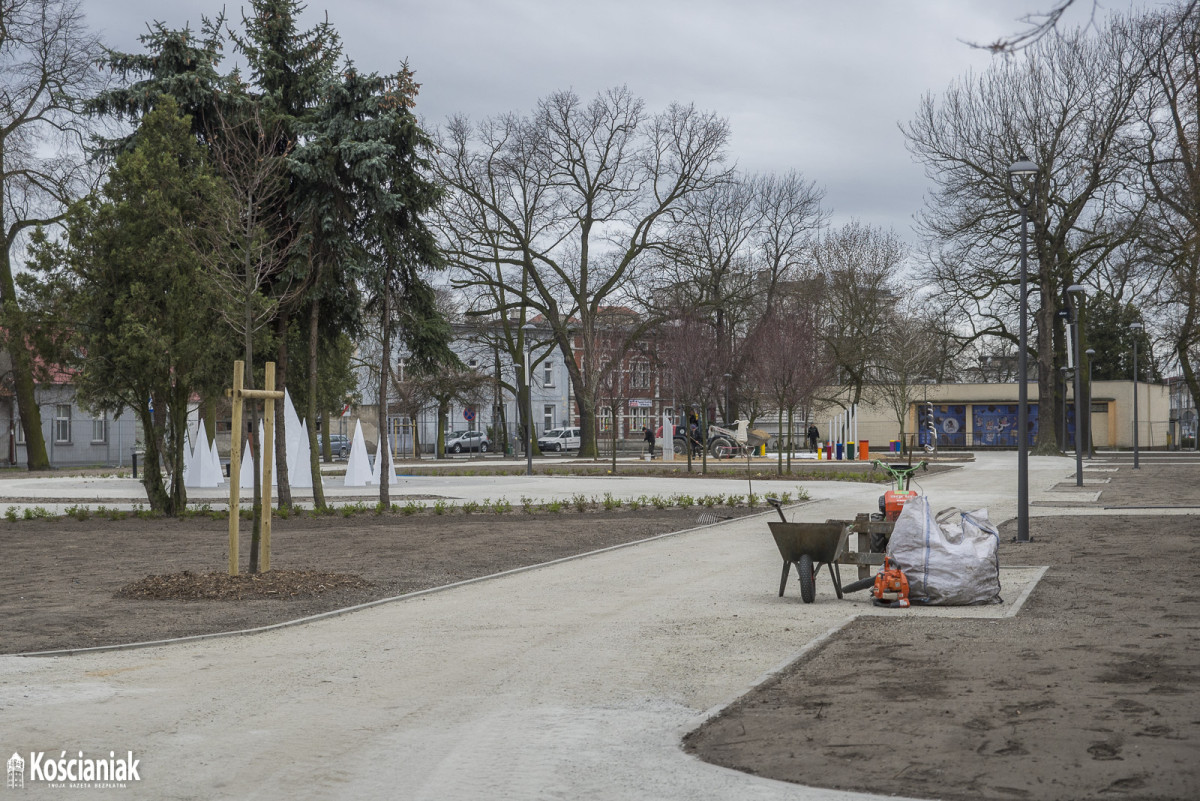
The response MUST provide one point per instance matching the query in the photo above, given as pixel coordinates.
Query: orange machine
(891, 503)
(891, 586)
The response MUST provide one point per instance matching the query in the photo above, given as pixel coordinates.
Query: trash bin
(864, 451)
(841, 451)
(850, 450)
(828, 451)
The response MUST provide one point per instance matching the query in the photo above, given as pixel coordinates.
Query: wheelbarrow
(809, 546)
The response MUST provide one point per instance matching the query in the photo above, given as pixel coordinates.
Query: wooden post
(268, 451)
(235, 465)
(239, 395)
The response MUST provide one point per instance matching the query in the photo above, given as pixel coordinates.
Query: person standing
(813, 436)
(648, 436)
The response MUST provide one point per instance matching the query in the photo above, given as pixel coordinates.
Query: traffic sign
(469, 414)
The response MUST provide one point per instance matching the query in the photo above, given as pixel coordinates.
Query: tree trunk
(382, 450)
(176, 435)
(314, 444)
(284, 489)
(1046, 442)
(156, 492)
(779, 467)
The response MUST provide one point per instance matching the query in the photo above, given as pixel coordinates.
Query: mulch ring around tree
(277, 584)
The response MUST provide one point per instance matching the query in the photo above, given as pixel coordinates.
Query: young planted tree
(46, 71)
(137, 322)
(688, 351)
(909, 359)
(790, 364)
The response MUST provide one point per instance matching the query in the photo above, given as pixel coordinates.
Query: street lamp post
(528, 328)
(1022, 177)
(1136, 328)
(1091, 448)
(1072, 291)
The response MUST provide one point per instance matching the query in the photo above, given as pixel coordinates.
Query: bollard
(135, 464)
(864, 451)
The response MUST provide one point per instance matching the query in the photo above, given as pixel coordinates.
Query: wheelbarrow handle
(778, 507)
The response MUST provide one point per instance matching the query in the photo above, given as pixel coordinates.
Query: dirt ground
(1093, 690)
(71, 583)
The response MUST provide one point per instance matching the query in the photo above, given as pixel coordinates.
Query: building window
(62, 422)
(604, 418)
(473, 363)
(20, 431)
(100, 428)
(639, 418)
(548, 417)
(641, 375)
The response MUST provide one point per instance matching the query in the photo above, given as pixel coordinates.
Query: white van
(559, 439)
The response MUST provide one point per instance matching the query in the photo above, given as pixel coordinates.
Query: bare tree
(790, 364)
(1168, 109)
(47, 68)
(1066, 104)
(909, 357)
(688, 351)
(855, 284)
(562, 207)
(728, 254)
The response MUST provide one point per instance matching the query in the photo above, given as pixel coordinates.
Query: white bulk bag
(950, 558)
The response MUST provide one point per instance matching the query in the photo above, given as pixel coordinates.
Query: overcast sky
(819, 87)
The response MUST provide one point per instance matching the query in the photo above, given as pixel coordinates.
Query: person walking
(813, 436)
(648, 436)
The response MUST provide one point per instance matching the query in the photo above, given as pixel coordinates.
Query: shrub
(610, 502)
(439, 507)
(554, 506)
(527, 504)
(469, 507)
(580, 502)
(502, 506)
(412, 507)
(732, 500)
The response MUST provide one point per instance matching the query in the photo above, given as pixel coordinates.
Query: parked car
(460, 441)
(559, 439)
(339, 445)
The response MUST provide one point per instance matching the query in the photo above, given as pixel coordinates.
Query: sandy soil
(62, 577)
(1093, 690)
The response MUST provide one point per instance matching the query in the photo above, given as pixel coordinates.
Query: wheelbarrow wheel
(808, 579)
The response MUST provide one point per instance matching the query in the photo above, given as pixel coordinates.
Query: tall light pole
(1072, 291)
(1136, 328)
(1022, 177)
(528, 328)
(1091, 449)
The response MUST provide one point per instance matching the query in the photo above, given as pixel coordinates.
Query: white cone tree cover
(189, 456)
(246, 472)
(358, 466)
(391, 463)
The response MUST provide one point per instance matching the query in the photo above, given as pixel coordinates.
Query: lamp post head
(1090, 352)
(1135, 326)
(1020, 173)
(1077, 288)
(1022, 169)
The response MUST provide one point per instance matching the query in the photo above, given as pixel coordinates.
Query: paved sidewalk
(575, 680)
